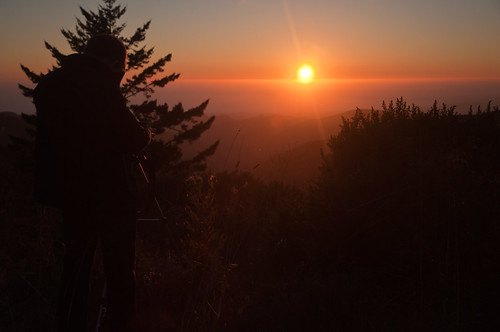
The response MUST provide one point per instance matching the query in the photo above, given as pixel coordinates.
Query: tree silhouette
(398, 188)
(175, 126)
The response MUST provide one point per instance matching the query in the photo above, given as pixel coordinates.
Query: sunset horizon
(249, 165)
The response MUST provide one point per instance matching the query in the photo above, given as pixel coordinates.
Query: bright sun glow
(305, 74)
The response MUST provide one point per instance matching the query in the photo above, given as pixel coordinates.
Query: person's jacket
(85, 133)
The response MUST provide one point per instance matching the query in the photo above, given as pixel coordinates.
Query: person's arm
(125, 132)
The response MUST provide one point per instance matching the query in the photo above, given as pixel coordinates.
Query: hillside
(273, 147)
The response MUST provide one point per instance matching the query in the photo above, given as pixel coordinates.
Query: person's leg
(80, 242)
(118, 250)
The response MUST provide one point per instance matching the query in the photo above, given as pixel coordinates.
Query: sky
(239, 40)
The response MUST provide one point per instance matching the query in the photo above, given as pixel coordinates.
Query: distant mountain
(273, 147)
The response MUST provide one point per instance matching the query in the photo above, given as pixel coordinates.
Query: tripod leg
(102, 307)
(149, 184)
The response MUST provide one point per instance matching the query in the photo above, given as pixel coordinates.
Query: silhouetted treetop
(147, 75)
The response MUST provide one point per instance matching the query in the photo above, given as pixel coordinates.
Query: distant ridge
(269, 141)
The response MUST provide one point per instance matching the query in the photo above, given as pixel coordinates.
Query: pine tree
(175, 125)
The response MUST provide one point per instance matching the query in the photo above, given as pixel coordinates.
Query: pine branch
(27, 92)
(201, 156)
(194, 132)
(138, 83)
(138, 36)
(166, 79)
(35, 78)
(88, 28)
(88, 15)
(149, 107)
(149, 111)
(139, 58)
(178, 115)
(76, 43)
(109, 15)
(55, 53)
(118, 30)
(81, 32)
(198, 110)
(173, 118)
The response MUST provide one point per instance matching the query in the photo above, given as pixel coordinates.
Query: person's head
(108, 49)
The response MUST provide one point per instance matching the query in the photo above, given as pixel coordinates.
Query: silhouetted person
(85, 135)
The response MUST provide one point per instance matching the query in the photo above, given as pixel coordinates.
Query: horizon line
(316, 80)
(340, 79)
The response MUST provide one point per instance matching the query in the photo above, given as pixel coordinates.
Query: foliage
(145, 77)
(407, 204)
(30, 250)
(238, 239)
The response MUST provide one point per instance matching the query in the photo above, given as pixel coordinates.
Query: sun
(305, 74)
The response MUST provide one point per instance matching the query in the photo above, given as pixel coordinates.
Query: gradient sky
(259, 39)
(269, 39)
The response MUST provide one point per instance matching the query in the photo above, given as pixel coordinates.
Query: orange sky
(260, 39)
(269, 39)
